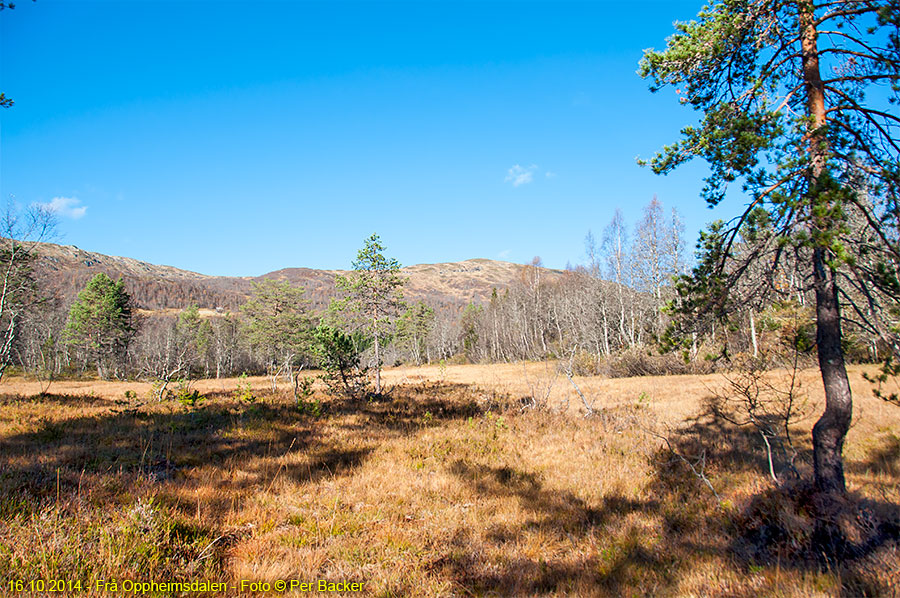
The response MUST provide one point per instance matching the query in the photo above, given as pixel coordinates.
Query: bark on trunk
(377, 357)
(753, 335)
(830, 430)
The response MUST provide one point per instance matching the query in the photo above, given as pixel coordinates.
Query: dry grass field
(449, 487)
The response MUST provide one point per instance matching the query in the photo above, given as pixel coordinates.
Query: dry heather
(447, 488)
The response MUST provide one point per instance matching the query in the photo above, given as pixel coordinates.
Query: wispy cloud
(551, 175)
(518, 175)
(504, 254)
(65, 207)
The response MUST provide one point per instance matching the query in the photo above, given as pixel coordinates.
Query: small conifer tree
(101, 323)
(373, 296)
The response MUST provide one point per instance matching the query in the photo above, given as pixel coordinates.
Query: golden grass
(446, 489)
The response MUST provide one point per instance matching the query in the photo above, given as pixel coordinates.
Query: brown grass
(448, 488)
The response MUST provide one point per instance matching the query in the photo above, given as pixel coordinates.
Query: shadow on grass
(789, 526)
(621, 546)
(55, 399)
(406, 409)
(650, 546)
(882, 460)
(621, 568)
(117, 445)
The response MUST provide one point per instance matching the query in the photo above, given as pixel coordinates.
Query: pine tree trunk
(830, 430)
(377, 357)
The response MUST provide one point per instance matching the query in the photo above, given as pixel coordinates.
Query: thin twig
(701, 461)
(769, 455)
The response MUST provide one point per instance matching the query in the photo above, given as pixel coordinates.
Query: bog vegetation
(531, 443)
(451, 485)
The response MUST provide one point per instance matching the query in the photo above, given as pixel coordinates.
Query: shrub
(303, 388)
(313, 408)
(339, 357)
(644, 362)
(244, 392)
(187, 396)
(585, 363)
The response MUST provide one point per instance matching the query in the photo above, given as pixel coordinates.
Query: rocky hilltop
(65, 269)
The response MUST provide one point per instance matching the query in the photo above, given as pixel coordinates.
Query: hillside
(451, 283)
(65, 269)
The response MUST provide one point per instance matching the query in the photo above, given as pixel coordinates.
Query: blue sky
(239, 138)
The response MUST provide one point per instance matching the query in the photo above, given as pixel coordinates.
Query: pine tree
(373, 296)
(101, 323)
(278, 324)
(413, 329)
(796, 100)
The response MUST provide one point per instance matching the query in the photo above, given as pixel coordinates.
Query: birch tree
(19, 237)
(615, 247)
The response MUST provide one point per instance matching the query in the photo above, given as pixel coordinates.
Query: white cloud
(65, 207)
(504, 254)
(551, 175)
(517, 175)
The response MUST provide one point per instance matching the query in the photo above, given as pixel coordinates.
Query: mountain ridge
(65, 269)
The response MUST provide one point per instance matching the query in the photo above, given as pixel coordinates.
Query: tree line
(611, 315)
(274, 331)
